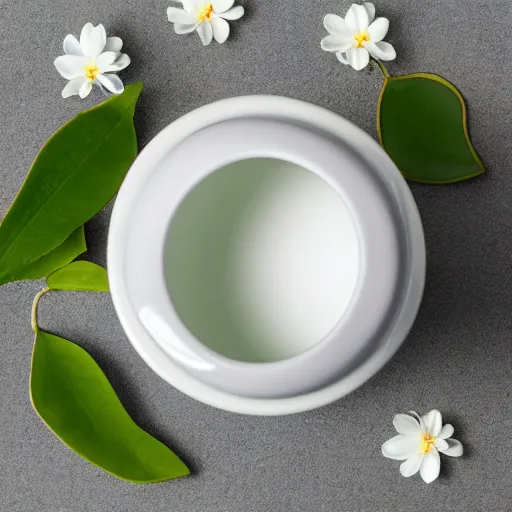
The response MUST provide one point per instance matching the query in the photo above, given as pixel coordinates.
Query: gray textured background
(457, 358)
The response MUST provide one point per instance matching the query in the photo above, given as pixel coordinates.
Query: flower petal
(73, 86)
(446, 431)
(121, 62)
(94, 42)
(433, 422)
(105, 59)
(220, 29)
(220, 6)
(358, 58)
(370, 9)
(455, 448)
(70, 66)
(400, 447)
(411, 466)
(86, 30)
(342, 57)
(336, 25)
(114, 44)
(430, 466)
(406, 425)
(72, 46)
(378, 30)
(233, 14)
(420, 420)
(357, 19)
(112, 83)
(85, 89)
(336, 43)
(381, 50)
(205, 32)
(441, 444)
(184, 29)
(189, 6)
(175, 15)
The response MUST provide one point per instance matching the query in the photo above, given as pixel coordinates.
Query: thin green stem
(383, 69)
(38, 296)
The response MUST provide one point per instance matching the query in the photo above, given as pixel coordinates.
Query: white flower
(92, 60)
(357, 36)
(419, 444)
(208, 18)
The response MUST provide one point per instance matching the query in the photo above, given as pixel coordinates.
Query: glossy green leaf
(421, 120)
(74, 175)
(75, 400)
(67, 251)
(79, 276)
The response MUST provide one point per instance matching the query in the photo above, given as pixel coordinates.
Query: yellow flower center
(91, 71)
(204, 12)
(426, 443)
(361, 38)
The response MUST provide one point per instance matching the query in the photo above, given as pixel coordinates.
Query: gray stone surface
(457, 358)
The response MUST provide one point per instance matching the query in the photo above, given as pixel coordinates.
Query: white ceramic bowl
(308, 305)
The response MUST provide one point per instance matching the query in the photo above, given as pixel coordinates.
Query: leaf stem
(383, 69)
(38, 296)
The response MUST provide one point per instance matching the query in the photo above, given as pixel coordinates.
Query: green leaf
(74, 175)
(421, 120)
(67, 251)
(75, 400)
(80, 276)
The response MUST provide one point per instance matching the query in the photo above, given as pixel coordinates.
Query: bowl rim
(295, 111)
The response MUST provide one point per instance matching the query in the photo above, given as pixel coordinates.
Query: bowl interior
(261, 260)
